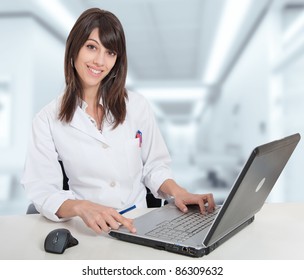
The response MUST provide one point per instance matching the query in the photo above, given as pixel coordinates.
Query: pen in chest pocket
(139, 136)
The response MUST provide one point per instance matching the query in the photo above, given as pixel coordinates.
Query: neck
(90, 96)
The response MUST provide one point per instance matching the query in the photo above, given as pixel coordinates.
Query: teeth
(95, 71)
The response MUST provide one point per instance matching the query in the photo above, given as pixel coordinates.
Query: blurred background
(223, 76)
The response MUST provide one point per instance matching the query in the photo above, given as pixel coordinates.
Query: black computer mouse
(58, 240)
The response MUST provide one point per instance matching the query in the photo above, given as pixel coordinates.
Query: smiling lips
(95, 71)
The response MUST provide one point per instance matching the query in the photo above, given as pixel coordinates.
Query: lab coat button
(105, 146)
(112, 184)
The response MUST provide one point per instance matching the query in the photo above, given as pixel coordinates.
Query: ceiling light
(173, 94)
(295, 29)
(232, 18)
(59, 12)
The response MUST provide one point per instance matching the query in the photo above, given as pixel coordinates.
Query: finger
(92, 223)
(130, 226)
(103, 225)
(128, 223)
(201, 204)
(181, 205)
(206, 202)
(96, 228)
(210, 201)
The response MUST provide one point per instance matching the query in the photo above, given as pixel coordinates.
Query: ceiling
(169, 42)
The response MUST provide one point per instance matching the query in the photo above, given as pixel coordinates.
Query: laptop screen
(252, 186)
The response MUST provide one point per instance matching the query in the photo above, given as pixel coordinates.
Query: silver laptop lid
(252, 186)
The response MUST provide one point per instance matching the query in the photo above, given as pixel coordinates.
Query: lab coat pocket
(133, 152)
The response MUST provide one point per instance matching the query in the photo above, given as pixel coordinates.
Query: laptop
(190, 234)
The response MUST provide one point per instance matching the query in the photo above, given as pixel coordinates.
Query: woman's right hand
(97, 217)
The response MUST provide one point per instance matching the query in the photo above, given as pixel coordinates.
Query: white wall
(48, 67)
(17, 69)
(245, 93)
(31, 69)
(260, 104)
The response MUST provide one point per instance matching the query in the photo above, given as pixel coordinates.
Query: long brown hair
(112, 88)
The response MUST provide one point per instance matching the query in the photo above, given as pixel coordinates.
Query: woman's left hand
(204, 201)
(183, 198)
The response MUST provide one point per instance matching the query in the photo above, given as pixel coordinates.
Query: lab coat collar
(84, 105)
(108, 121)
(81, 122)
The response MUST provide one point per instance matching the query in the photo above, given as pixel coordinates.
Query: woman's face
(94, 62)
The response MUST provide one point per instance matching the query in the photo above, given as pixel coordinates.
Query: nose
(99, 58)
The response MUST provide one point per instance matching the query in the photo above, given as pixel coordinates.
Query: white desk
(276, 233)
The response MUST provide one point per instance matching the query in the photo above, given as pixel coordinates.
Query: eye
(112, 53)
(91, 47)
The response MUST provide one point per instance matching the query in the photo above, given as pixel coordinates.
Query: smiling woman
(105, 136)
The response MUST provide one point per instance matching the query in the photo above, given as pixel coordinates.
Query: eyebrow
(90, 39)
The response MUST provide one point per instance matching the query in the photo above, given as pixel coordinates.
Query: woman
(106, 137)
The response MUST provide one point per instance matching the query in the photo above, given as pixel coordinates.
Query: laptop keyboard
(183, 227)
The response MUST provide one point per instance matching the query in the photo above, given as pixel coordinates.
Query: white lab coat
(110, 168)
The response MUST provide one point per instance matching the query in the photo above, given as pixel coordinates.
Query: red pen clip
(139, 135)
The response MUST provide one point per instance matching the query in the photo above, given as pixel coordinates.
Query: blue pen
(127, 209)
